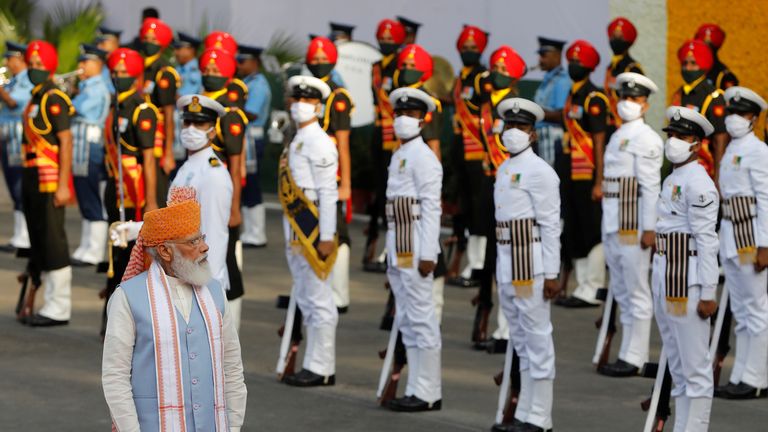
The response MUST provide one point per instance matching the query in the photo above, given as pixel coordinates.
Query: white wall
(512, 22)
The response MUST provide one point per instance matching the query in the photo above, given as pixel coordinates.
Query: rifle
(388, 318)
(658, 405)
(25, 306)
(509, 380)
(286, 362)
(719, 345)
(607, 325)
(390, 370)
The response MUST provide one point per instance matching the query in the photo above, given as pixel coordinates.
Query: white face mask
(737, 126)
(515, 140)
(677, 150)
(629, 110)
(194, 139)
(406, 127)
(302, 112)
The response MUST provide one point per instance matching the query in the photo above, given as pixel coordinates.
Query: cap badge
(516, 108)
(631, 84)
(195, 106)
(676, 116)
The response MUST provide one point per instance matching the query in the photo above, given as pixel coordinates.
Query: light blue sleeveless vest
(196, 364)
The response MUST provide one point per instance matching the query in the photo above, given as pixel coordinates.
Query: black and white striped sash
(400, 212)
(520, 235)
(628, 195)
(740, 210)
(677, 248)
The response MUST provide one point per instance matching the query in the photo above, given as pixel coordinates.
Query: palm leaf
(16, 15)
(284, 47)
(70, 24)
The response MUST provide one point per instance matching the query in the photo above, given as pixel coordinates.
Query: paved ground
(51, 377)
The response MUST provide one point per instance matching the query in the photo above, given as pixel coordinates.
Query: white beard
(194, 272)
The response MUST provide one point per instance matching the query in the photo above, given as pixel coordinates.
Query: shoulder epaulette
(214, 161)
(240, 84)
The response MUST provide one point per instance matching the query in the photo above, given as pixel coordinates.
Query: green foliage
(285, 48)
(14, 19)
(70, 24)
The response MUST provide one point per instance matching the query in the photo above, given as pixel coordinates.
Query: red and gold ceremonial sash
(613, 98)
(581, 146)
(495, 153)
(133, 174)
(471, 134)
(46, 155)
(386, 119)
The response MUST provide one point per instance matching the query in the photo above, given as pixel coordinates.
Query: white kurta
(634, 151)
(527, 187)
(744, 173)
(118, 354)
(213, 184)
(313, 162)
(415, 172)
(689, 204)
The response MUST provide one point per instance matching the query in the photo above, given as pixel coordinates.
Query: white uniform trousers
(629, 268)
(530, 330)
(590, 274)
(749, 303)
(686, 342)
(57, 292)
(415, 309)
(315, 300)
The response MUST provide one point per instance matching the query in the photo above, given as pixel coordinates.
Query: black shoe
(461, 282)
(527, 427)
(721, 391)
(342, 310)
(496, 346)
(414, 404)
(307, 378)
(574, 303)
(743, 391)
(254, 245)
(387, 322)
(43, 321)
(375, 267)
(507, 427)
(619, 369)
(8, 248)
(78, 263)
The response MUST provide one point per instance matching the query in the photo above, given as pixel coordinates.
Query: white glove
(121, 233)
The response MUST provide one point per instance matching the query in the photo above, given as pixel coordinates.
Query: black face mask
(577, 72)
(407, 77)
(38, 76)
(150, 49)
(123, 84)
(500, 81)
(691, 76)
(470, 58)
(619, 46)
(388, 48)
(320, 70)
(213, 83)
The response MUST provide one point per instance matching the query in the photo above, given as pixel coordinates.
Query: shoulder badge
(340, 106)
(164, 83)
(718, 110)
(214, 161)
(145, 125)
(232, 96)
(55, 109)
(594, 109)
(235, 129)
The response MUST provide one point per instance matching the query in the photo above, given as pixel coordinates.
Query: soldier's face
(690, 65)
(386, 38)
(409, 63)
(417, 114)
(109, 44)
(685, 137)
(642, 100)
(501, 68)
(212, 70)
(120, 71)
(15, 64)
(150, 38)
(35, 62)
(525, 127)
(319, 58)
(469, 45)
(184, 54)
(90, 68)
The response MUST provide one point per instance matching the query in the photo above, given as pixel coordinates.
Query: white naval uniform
(688, 204)
(313, 162)
(213, 186)
(415, 172)
(635, 151)
(528, 188)
(744, 172)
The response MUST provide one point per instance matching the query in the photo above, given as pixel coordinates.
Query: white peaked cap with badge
(512, 107)
(309, 82)
(190, 105)
(678, 113)
(411, 98)
(737, 93)
(632, 79)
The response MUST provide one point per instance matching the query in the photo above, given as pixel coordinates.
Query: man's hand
(761, 261)
(235, 218)
(61, 197)
(122, 233)
(706, 308)
(150, 205)
(551, 288)
(345, 193)
(597, 191)
(168, 163)
(426, 267)
(325, 248)
(647, 239)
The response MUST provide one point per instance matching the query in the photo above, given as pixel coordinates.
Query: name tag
(122, 124)
(33, 111)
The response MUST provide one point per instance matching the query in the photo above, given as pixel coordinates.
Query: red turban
(224, 60)
(395, 29)
(421, 58)
(134, 63)
(221, 40)
(622, 28)
(700, 52)
(584, 52)
(472, 33)
(322, 44)
(162, 31)
(514, 63)
(711, 34)
(46, 52)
